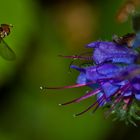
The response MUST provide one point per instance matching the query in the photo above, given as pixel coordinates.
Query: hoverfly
(5, 51)
(124, 40)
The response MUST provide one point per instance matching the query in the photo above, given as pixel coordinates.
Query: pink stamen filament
(71, 86)
(127, 102)
(99, 101)
(76, 85)
(89, 94)
(77, 57)
(118, 99)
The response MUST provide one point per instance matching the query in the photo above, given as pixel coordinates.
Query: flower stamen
(89, 94)
(71, 86)
(78, 57)
(99, 101)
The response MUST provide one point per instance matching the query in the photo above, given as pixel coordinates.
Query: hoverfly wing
(5, 51)
(116, 39)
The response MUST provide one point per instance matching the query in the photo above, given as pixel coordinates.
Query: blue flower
(112, 52)
(110, 78)
(113, 76)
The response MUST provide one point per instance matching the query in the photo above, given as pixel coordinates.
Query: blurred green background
(42, 31)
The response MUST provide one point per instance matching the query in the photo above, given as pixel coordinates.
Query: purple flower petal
(128, 93)
(94, 44)
(137, 96)
(104, 71)
(110, 51)
(81, 78)
(109, 89)
(136, 83)
(136, 42)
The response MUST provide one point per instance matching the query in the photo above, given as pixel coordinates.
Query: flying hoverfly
(5, 51)
(125, 40)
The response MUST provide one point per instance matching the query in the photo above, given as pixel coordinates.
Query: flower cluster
(113, 76)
